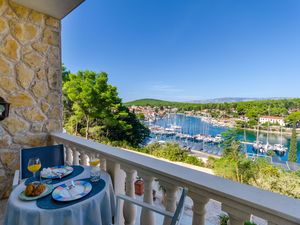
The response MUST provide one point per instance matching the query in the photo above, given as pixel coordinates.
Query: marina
(197, 134)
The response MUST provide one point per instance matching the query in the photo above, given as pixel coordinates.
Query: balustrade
(238, 201)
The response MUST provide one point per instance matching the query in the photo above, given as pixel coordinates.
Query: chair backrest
(49, 155)
(180, 207)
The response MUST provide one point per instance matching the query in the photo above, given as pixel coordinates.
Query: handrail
(214, 187)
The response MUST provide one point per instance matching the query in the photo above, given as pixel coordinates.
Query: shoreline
(287, 133)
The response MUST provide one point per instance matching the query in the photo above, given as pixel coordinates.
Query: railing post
(83, 158)
(236, 216)
(199, 202)
(147, 216)
(103, 164)
(129, 209)
(68, 154)
(118, 180)
(75, 156)
(170, 198)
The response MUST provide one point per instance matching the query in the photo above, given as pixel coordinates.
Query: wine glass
(95, 171)
(34, 165)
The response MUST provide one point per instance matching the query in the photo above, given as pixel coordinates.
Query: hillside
(235, 99)
(151, 102)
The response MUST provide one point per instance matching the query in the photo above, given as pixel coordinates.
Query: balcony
(31, 82)
(239, 201)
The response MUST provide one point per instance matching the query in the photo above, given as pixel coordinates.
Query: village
(219, 118)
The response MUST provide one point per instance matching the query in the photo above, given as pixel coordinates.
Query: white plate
(54, 171)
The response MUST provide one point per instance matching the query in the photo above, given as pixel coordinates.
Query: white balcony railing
(238, 200)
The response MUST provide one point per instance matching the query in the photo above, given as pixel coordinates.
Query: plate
(63, 170)
(81, 189)
(47, 191)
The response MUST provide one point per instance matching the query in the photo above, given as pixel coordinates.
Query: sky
(186, 50)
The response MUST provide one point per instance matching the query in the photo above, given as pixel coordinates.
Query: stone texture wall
(30, 79)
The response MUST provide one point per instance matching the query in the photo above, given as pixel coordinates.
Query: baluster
(199, 202)
(68, 154)
(236, 216)
(147, 216)
(75, 156)
(129, 209)
(83, 158)
(90, 156)
(118, 180)
(102, 163)
(170, 198)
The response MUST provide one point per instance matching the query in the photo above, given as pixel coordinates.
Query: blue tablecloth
(76, 171)
(49, 203)
(96, 210)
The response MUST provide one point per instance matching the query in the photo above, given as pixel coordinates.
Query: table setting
(62, 195)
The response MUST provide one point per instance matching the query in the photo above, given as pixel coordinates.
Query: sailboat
(280, 147)
(268, 147)
(257, 146)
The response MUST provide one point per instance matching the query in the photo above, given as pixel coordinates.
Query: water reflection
(193, 125)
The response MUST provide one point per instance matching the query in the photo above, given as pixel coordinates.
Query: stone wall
(30, 79)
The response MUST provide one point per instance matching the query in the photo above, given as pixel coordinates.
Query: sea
(195, 125)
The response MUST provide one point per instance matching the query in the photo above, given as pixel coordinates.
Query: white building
(272, 120)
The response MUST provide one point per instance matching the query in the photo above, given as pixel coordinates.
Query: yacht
(280, 147)
(257, 146)
(176, 127)
(217, 139)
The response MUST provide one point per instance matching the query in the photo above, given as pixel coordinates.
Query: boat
(280, 147)
(258, 145)
(268, 147)
(176, 127)
(217, 139)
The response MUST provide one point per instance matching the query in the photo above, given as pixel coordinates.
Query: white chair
(176, 216)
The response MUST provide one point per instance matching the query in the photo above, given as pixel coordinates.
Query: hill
(151, 102)
(235, 99)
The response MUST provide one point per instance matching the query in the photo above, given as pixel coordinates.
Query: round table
(96, 210)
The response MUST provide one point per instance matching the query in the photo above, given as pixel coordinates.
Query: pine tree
(293, 147)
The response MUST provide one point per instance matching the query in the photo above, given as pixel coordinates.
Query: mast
(257, 134)
(203, 136)
(268, 128)
(281, 139)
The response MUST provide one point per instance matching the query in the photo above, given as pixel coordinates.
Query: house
(272, 120)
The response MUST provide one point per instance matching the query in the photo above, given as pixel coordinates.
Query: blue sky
(188, 49)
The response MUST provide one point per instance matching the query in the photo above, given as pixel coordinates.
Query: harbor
(197, 134)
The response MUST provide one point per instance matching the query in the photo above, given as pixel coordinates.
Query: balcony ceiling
(56, 8)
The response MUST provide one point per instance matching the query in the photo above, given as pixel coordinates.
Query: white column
(118, 180)
(236, 216)
(103, 164)
(75, 156)
(199, 202)
(147, 216)
(83, 158)
(68, 155)
(129, 209)
(171, 191)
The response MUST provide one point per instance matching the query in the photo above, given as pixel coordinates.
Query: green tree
(230, 139)
(293, 118)
(97, 112)
(81, 91)
(65, 73)
(293, 146)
